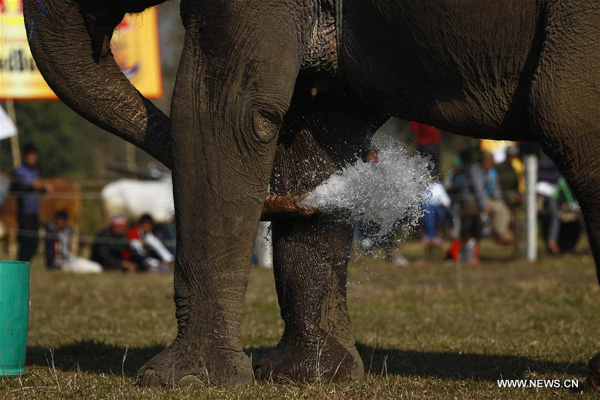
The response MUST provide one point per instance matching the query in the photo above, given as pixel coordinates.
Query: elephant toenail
(189, 381)
(150, 379)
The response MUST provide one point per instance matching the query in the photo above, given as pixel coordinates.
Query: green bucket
(14, 317)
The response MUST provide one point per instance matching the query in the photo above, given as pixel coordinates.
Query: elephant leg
(311, 253)
(564, 96)
(579, 163)
(226, 114)
(311, 260)
(593, 381)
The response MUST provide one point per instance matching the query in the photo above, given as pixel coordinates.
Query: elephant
(283, 93)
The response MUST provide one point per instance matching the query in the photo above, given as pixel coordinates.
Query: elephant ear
(70, 42)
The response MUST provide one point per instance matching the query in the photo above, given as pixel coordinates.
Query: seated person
(59, 237)
(510, 177)
(488, 195)
(166, 234)
(145, 249)
(109, 244)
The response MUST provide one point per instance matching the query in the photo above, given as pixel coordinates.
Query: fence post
(14, 140)
(531, 169)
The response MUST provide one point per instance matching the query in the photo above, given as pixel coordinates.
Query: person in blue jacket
(27, 186)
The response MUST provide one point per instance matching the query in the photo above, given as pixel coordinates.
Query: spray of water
(383, 192)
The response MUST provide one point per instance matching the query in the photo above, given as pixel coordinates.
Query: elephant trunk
(278, 206)
(73, 54)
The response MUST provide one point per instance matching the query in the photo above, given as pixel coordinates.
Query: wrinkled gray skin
(513, 69)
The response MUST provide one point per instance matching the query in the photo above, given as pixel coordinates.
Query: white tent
(7, 126)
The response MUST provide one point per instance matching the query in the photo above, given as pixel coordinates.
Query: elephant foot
(305, 363)
(186, 365)
(593, 382)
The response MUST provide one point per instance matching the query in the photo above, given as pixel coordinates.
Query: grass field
(424, 331)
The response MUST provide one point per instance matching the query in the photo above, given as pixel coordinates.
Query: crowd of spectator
(480, 196)
(117, 247)
(143, 246)
(477, 198)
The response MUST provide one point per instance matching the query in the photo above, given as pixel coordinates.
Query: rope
(84, 182)
(67, 195)
(30, 233)
(59, 195)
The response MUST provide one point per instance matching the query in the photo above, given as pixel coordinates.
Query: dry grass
(425, 331)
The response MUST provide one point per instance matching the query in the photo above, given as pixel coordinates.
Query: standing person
(109, 244)
(466, 248)
(428, 141)
(28, 187)
(547, 188)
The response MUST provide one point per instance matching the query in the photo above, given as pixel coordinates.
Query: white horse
(134, 198)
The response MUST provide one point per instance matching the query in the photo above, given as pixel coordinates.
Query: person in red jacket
(146, 250)
(428, 141)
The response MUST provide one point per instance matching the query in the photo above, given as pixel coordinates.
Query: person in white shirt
(435, 211)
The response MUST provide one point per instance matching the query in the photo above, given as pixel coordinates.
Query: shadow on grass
(98, 357)
(458, 366)
(92, 356)
(462, 366)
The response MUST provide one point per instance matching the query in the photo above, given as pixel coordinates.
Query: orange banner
(135, 45)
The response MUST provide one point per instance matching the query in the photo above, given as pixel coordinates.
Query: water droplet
(391, 190)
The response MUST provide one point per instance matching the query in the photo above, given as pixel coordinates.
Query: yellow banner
(135, 45)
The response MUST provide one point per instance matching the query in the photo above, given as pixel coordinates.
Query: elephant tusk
(279, 206)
